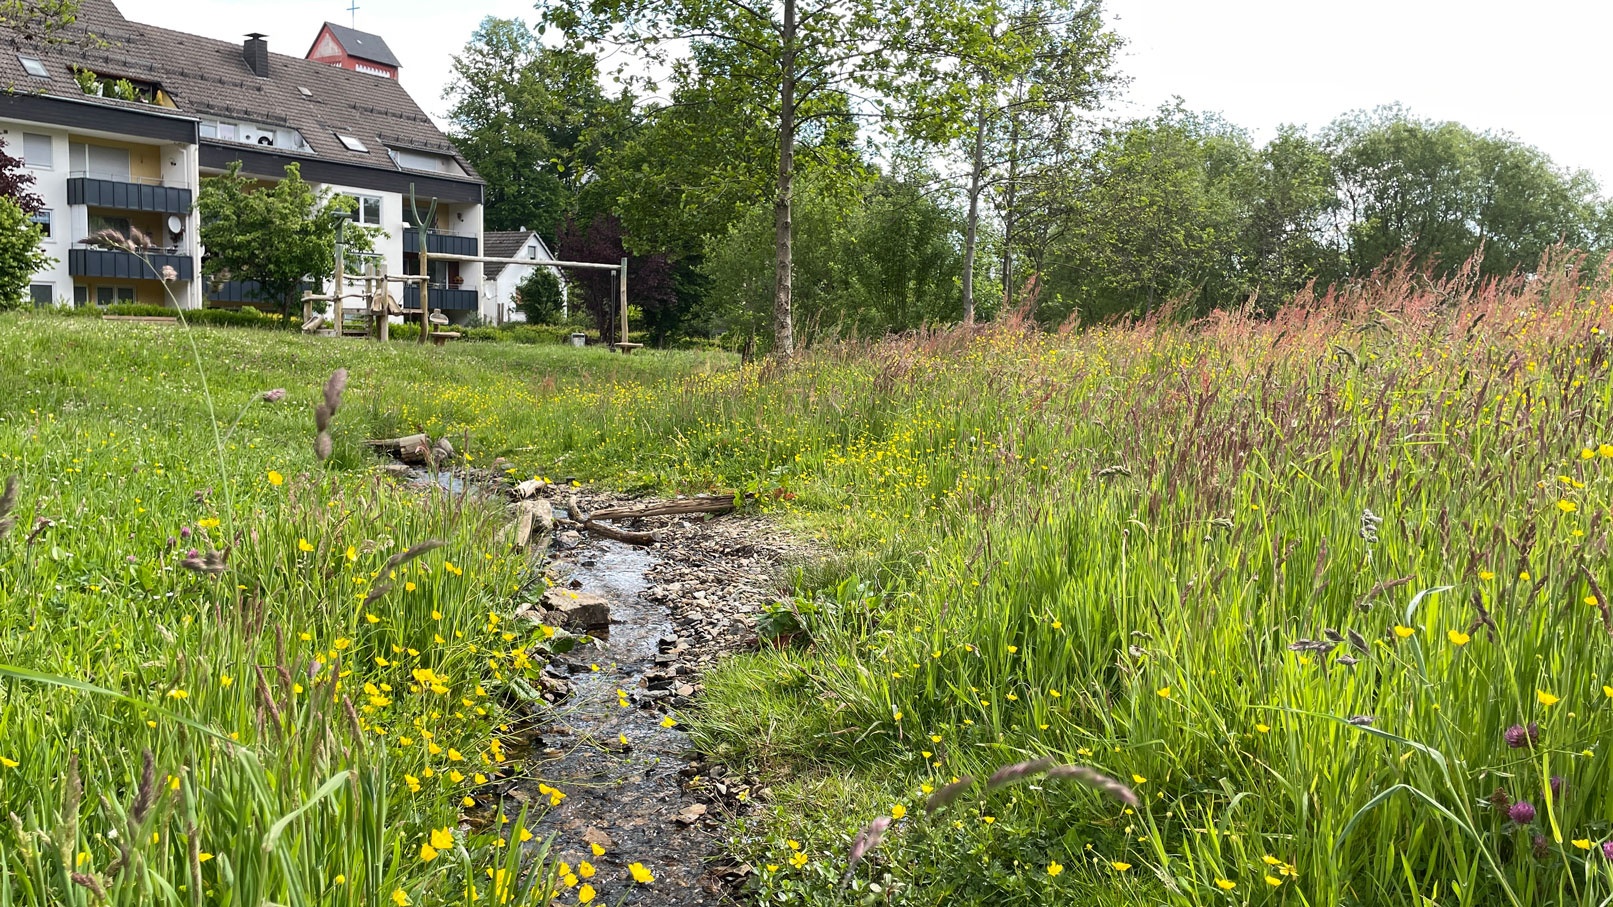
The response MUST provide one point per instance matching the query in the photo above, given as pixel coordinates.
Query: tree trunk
(971, 228)
(1010, 203)
(783, 333)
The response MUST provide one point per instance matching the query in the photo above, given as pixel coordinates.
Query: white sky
(1538, 70)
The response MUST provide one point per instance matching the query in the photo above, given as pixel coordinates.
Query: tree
(1151, 217)
(649, 277)
(533, 121)
(539, 296)
(16, 183)
(20, 255)
(1052, 62)
(38, 19)
(279, 236)
(1437, 193)
(793, 63)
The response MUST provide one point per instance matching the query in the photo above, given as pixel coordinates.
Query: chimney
(256, 51)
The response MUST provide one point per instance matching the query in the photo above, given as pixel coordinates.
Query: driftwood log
(415, 449)
(704, 503)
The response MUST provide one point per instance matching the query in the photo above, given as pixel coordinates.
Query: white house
(502, 280)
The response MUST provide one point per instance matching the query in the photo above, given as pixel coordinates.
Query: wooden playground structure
(380, 305)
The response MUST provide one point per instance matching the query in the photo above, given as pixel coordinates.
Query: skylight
(351, 144)
(34, 67)
(304, 92)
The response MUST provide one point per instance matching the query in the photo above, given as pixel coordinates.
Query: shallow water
(631, 792)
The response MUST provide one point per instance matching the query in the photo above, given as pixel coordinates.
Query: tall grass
(1295, 577)
(253, 681)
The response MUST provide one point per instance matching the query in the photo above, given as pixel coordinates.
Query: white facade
(55, 156)
(499, 294)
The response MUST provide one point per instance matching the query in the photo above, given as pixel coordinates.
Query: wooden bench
(143, 319)
(441, 337)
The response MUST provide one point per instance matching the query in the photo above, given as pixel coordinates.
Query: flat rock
(577, 610)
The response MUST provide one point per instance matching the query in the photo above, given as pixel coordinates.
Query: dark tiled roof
(363, 45)
(508, 244)
(209, 79)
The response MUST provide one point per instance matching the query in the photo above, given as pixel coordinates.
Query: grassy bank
(278, 704)
(1326, 592)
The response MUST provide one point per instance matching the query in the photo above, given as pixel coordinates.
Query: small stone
(691, 813)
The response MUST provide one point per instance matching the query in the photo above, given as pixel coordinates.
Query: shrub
(539, 296)
(20, 255)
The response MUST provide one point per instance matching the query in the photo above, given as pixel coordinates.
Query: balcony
(444, 298)
(439, 242)
(243, 292)
(121, 195)
(121, 265)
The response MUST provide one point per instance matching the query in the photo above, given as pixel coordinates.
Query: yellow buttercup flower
(1225, 884)
(427, 853)
(644, 876)
(898, 811)
(1054, 868)
(276, 479)
(1546, 699)
(1403, 631)
(400, 897)
(304, 545)
(442, 838)
(1458, 638)
(1119, 866)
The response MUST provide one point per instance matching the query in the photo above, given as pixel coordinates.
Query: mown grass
(308, 726)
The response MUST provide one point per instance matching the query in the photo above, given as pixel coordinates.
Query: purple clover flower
(1522, 812)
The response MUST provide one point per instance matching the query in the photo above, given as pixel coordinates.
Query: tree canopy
(278, 236)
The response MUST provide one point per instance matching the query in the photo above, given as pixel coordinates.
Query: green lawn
(1184, 558)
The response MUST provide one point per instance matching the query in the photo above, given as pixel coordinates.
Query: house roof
(209, 79)
(362, 44)
(508, 244)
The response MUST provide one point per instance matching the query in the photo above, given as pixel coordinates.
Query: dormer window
(351, 143)
(34, 67)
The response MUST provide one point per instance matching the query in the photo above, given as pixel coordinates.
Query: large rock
(577, 610)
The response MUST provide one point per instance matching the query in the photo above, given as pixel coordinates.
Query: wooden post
(622, 290)
(384, 289)
(336, 280)
(425, 286)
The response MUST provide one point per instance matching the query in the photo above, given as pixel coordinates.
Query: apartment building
(121, 121)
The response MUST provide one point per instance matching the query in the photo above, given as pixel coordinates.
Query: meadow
(1324, 592)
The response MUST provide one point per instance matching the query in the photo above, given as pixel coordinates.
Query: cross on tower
(353, 9)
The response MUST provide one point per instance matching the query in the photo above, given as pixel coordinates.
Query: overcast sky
(1540, 70)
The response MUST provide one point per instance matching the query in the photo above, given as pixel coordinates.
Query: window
(422, 160)
(44, 294)
(43, 220)
(351, 144)
(81, 297)
(98, 161)
(99, 222)
(36, 151)
(34, 68)
(109, 295)
(367, 210)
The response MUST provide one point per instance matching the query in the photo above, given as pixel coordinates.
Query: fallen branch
(705, 503)
(409, 448)
(588, 522)
(620, 535)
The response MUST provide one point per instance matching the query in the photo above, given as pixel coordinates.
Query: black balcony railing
(439, 243)
(121, 196)
(122, 265)
(441, 298)
(243, 291)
